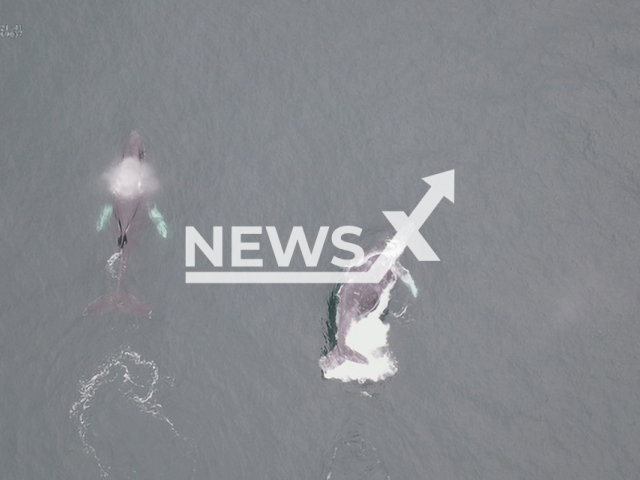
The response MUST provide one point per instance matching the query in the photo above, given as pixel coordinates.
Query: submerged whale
(129, 181)
(361, 336)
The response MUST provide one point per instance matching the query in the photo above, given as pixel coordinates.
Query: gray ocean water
(519, 358)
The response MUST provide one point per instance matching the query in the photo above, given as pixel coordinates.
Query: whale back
(358, 299)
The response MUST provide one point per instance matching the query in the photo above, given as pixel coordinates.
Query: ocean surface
(520, 356)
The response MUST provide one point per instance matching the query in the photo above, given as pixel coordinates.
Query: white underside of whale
(368, 337)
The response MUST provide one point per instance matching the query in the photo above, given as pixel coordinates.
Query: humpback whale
(129, 181)
(361, 336)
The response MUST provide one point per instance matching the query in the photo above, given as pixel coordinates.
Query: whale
(129, 181)
(357, 303)
(128, 188)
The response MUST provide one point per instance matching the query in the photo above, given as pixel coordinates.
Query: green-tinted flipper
(407, 279)
(158, 220)
(105, 216)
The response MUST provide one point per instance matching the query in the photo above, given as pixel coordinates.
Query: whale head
(134, 147)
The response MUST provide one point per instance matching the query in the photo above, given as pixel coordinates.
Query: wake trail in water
(355, 458)
(136, 380)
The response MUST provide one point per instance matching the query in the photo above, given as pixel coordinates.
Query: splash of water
(131, 178)
(368, 336)
(111, 264)
(123, 369)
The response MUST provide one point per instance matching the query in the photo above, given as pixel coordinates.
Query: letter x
(416, 243)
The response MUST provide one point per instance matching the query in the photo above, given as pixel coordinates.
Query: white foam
(111, 264)
(131, 178)
(136, 378)
(369, 338)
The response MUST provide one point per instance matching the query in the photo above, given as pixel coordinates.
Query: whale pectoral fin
(103, 221)
(158, 220)
(407, 279)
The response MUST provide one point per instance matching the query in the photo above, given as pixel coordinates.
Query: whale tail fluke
(339, 355)
(350, 354)
(125, 302)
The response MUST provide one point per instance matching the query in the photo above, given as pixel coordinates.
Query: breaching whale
(361, 351)
(129, 181)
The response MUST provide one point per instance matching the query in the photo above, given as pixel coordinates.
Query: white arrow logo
(408, 230)
(407, 235)
(442, 185)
